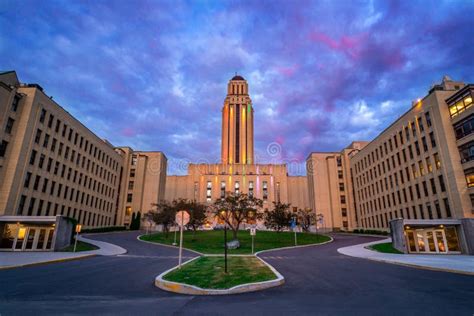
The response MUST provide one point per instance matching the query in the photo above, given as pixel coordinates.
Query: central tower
(237, 124)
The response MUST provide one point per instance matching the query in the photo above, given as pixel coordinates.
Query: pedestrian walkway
(11, 259)
(450, 263)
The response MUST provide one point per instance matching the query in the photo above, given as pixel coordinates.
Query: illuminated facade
(238, 171)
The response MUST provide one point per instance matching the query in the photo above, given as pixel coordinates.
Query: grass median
(208, 272)
(385, 248)
(212, 242)
(81, 246)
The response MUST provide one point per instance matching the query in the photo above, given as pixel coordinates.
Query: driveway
(319, 280)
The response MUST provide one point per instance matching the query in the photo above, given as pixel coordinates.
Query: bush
(103, 229)
(370, 232)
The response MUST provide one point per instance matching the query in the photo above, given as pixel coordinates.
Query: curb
(47, 262)
(103, 245)
(404, 264)
(182, 288)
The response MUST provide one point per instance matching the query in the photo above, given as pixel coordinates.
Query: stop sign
(182, 218)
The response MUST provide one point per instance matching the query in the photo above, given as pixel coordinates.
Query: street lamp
(223, 215)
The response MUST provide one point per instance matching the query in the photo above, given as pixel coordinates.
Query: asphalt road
(318, 281)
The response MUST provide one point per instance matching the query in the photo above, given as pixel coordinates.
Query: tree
(236, 208)
(164, 214)
(279, 217)
(138, 221)
(132, 221)
(197, 215)
(306, 218)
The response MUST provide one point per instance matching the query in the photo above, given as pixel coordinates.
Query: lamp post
(225, 247)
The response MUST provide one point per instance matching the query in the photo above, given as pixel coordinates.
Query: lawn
(208, 272)
(212, 242)
(81, 246)
(385, 248)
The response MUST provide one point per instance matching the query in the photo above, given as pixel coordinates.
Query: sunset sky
(152, 75)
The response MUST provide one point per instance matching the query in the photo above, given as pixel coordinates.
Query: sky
(153, 75)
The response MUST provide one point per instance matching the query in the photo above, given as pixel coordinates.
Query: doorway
(428, 240)
(18, 237)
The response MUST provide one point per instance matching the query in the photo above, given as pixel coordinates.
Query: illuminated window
(461, 105)
(134, 160)
(422, 168)
(237, 187)
(222, 189)
(470, 177)
(437, 161)
(265, 190)
(128, 210)
(250, 188)
(428, 164)
(209, 191)
(278, 191)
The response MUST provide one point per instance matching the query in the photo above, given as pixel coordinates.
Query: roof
(238, 77)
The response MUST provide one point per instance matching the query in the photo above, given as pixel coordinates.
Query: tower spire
(237, 124)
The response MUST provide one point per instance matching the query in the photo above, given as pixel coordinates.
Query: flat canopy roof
(28, 219)
(431, 222)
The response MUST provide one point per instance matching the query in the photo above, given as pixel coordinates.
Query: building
(51, 164)
(330, 187)
(142, 184)
(421, 169)
(238, 172)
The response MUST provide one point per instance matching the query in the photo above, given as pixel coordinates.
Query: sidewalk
(20, 259)
(449, 263)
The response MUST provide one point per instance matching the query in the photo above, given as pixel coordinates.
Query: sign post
(78, 230)
(293, 226)
(253, 232)
(182, 218)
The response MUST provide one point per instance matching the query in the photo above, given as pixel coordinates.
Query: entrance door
(430, 241)
(33, 239)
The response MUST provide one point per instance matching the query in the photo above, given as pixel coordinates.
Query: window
(50, 120)
(460, 105)
(128, 211)
(432, 140)
(26, 184)
(422, 168)
(265, 190)
(278, 191)
(58, 125)
(42, 115)
(132, 173)
(470, 177)
(41, 161)
(222, 189)
(21, 205)
(417, 148)
(425, 145)
(36, 184)
(209, 191)
(339, 174)
(3, 148)
(420, 124)
(428, 119)
(130, 185)
(339, 162)
(433, 186)
(33, 157)
(16, 101)
(46, 141)
(437, 161)
(237, 187)
(343, 199)
(129, 198)
(446, 207)
(9, 126)
(441, 183)
(344, 211)
(134, 160)
(467, 152)
(251, 188)
(428, 164)
(341, 186)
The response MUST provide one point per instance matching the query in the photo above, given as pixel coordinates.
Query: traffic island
(206, 276)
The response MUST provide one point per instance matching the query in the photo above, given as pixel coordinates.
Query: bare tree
(306, 218)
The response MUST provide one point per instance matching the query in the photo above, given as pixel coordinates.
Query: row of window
(381, 203)
(420, 212)
(237, 190)
(74, 138)
(56, 189)
(47, 208)
(399, 139)
(70, 154)
(72, 175)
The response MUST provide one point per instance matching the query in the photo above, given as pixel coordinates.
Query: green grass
(385, 248)
(208, 272)
(212, 242)
(81, 246)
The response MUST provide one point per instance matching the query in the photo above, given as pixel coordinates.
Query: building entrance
(27, 238)
(432, 240)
